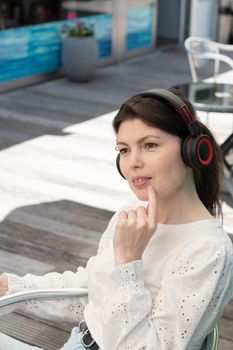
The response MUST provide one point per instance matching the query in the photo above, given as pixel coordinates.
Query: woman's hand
(134, 229)
(3, 285)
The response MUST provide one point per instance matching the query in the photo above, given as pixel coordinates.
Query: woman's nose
(135, 160)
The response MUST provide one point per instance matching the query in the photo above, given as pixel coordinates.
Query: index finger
(152, 204)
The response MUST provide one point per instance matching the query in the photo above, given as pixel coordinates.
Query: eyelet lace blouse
(169, 300)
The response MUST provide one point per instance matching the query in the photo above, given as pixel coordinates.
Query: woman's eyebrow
(142, 139)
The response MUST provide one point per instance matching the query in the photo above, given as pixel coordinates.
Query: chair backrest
(196, 49)
(201, 51)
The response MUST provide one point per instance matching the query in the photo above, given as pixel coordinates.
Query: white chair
(201, 51)
(211, 341)
(41, 294)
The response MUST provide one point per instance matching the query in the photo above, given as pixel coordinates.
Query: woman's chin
(140, 193)
(142, 196)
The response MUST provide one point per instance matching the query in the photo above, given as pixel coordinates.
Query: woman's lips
(141, 181)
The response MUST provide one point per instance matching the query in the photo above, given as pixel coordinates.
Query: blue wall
(37, 49)
(140, 27)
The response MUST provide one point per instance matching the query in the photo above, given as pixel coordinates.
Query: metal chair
(211, 341)
(201, 51)
(41, 294)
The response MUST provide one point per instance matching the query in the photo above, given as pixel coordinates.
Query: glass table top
(211, 97)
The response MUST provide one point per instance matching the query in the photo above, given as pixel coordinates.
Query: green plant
(79, 30)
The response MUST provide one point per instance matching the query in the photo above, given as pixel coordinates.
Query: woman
(163, 273)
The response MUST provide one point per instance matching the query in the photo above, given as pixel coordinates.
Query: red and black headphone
(197, 149)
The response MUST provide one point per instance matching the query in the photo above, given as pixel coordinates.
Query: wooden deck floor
(68, 236)
(52, 211)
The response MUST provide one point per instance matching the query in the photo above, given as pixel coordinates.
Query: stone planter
(79, 58)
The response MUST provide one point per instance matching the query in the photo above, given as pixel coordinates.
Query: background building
(31, 40)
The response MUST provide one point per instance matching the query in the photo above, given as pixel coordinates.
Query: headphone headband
(175, 101)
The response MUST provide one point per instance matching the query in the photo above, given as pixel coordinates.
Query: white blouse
(169, 300)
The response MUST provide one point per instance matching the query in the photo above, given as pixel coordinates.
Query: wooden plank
(43, 246)
(225, 344)
(225, 328)
(15, 263)
(22, 234)
(228, 311)
(47, 335)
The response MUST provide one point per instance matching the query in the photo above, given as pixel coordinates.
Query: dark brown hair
(157, 113)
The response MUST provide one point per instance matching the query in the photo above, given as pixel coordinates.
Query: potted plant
(79, 52)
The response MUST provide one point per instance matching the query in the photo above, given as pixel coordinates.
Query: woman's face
(151, 156)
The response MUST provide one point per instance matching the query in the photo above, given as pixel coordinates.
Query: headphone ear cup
(197, 151)
(118, 165)
(184, 152)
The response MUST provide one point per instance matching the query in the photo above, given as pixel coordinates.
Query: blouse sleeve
(191, 298)
(69, 309)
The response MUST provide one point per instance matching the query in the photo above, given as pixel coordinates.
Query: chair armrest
(225, 47)
(215, 56)
(41, 294)
(218, 46)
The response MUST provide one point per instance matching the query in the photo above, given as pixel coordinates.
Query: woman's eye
(150, 145)
(123, 150)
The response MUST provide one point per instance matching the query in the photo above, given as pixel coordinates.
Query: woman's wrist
(3, 284)
(121, 260)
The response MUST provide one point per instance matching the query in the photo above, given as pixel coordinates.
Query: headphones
(197, 149)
